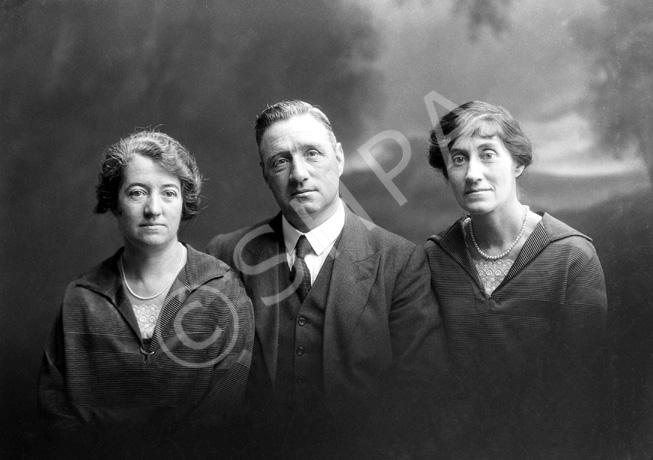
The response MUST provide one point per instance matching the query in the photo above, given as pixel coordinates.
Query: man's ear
(263, 173)
(519, 169)
(340, 158)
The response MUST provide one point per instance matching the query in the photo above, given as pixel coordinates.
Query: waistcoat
(299, 380)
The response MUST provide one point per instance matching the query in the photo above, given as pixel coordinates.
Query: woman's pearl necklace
(124, 279)
(507, 251)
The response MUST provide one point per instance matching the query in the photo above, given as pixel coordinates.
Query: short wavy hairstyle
(285, 110)
(478, 118)
(172, 156)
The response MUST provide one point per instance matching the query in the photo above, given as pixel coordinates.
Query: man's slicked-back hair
(478, 118)
(285, 110)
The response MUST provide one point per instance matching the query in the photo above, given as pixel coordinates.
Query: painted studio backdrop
(78, 75)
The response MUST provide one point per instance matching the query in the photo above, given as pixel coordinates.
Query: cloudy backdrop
(78, 75)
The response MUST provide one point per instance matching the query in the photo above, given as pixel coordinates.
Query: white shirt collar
(321, 237)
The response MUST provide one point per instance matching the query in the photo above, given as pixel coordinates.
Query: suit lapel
(354, 271)
(267, 251)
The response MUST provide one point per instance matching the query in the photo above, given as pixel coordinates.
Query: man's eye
(279, 162)
(136, 193)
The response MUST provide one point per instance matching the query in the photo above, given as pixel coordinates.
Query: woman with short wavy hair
(155, 341)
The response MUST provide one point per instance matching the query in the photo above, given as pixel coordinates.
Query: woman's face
(149, 204)
(482, 174)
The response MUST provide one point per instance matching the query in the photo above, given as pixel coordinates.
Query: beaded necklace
(124, 279)
(512, 245)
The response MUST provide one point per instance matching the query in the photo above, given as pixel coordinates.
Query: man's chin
(304, 206)
(303, 213)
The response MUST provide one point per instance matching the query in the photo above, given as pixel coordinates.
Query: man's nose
(299, 170)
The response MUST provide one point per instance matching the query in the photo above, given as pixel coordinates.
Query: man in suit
(348, 333)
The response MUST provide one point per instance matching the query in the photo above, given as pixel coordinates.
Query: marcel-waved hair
(172, 156)
(478, 118)
(285, 110)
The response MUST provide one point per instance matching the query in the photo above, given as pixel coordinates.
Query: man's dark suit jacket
(383, 331)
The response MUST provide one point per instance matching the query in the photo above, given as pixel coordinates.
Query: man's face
(302, 167)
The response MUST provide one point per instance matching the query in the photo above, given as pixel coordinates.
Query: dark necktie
(300, 268)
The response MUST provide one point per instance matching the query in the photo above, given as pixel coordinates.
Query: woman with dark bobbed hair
(523, 300)
(157, 339)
